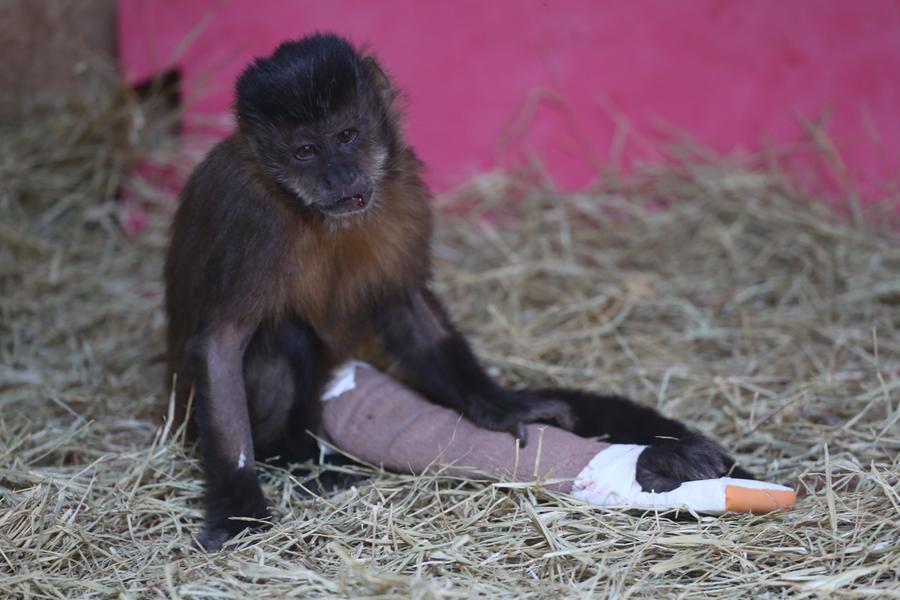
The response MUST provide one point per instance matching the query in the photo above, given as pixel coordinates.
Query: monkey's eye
(305, 152)
(347, 136)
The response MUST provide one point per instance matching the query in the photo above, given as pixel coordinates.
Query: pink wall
(491, 83)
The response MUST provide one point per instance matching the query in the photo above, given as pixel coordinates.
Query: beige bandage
(372, 417)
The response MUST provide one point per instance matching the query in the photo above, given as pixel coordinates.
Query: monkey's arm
(226, 441)
(614, 418)
(437, 360)
(623, 421)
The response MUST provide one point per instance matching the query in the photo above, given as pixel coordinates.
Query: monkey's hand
(669, 463)
(231, 509)
(511, 411)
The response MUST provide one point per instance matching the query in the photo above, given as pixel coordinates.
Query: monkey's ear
(379, 80)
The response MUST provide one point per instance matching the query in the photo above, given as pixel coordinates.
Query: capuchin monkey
(301, 241)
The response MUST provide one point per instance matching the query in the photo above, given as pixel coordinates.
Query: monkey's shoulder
(226, 236)
(228, 202)
(227, 181)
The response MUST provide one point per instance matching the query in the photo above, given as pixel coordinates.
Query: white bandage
(343, 380)
(610, 480)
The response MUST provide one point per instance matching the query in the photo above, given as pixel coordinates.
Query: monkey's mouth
(346, 205)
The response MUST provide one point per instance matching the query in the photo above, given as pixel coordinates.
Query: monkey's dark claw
(215, 535)
(212, 540)
(522, 434)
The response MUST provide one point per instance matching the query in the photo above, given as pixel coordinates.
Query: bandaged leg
(374, 418)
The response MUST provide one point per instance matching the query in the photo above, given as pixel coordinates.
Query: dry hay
(740, 307)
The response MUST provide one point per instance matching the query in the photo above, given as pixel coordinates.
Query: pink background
(579, 84)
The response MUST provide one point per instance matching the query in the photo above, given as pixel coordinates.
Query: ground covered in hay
(710, 291)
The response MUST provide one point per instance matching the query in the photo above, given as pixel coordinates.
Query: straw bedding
(709, 290)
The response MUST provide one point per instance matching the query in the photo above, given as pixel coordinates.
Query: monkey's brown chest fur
(335, 278)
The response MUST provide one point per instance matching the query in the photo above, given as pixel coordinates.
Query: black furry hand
(667, 464)
(511, 411)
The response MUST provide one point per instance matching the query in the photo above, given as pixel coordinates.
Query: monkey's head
(320, 120)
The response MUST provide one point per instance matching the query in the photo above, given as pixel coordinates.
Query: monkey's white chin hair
(334, 223)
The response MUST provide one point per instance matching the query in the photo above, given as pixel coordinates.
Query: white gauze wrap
(610, 480)
(343, 380)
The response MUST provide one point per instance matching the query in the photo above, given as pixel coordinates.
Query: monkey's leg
(285, 369)
(677, 454)
(226, 440)
(438, 361)
(282, 391)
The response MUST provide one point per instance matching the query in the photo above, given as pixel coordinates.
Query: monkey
(303, 240)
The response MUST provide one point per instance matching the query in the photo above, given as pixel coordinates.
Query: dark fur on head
(320, 118)
(303, 81)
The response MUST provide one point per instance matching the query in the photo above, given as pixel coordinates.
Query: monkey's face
(333, 166)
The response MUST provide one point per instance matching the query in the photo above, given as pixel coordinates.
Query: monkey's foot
(216, 534)
(232, 506)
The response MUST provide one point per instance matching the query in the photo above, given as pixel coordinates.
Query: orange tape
(758, 501)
